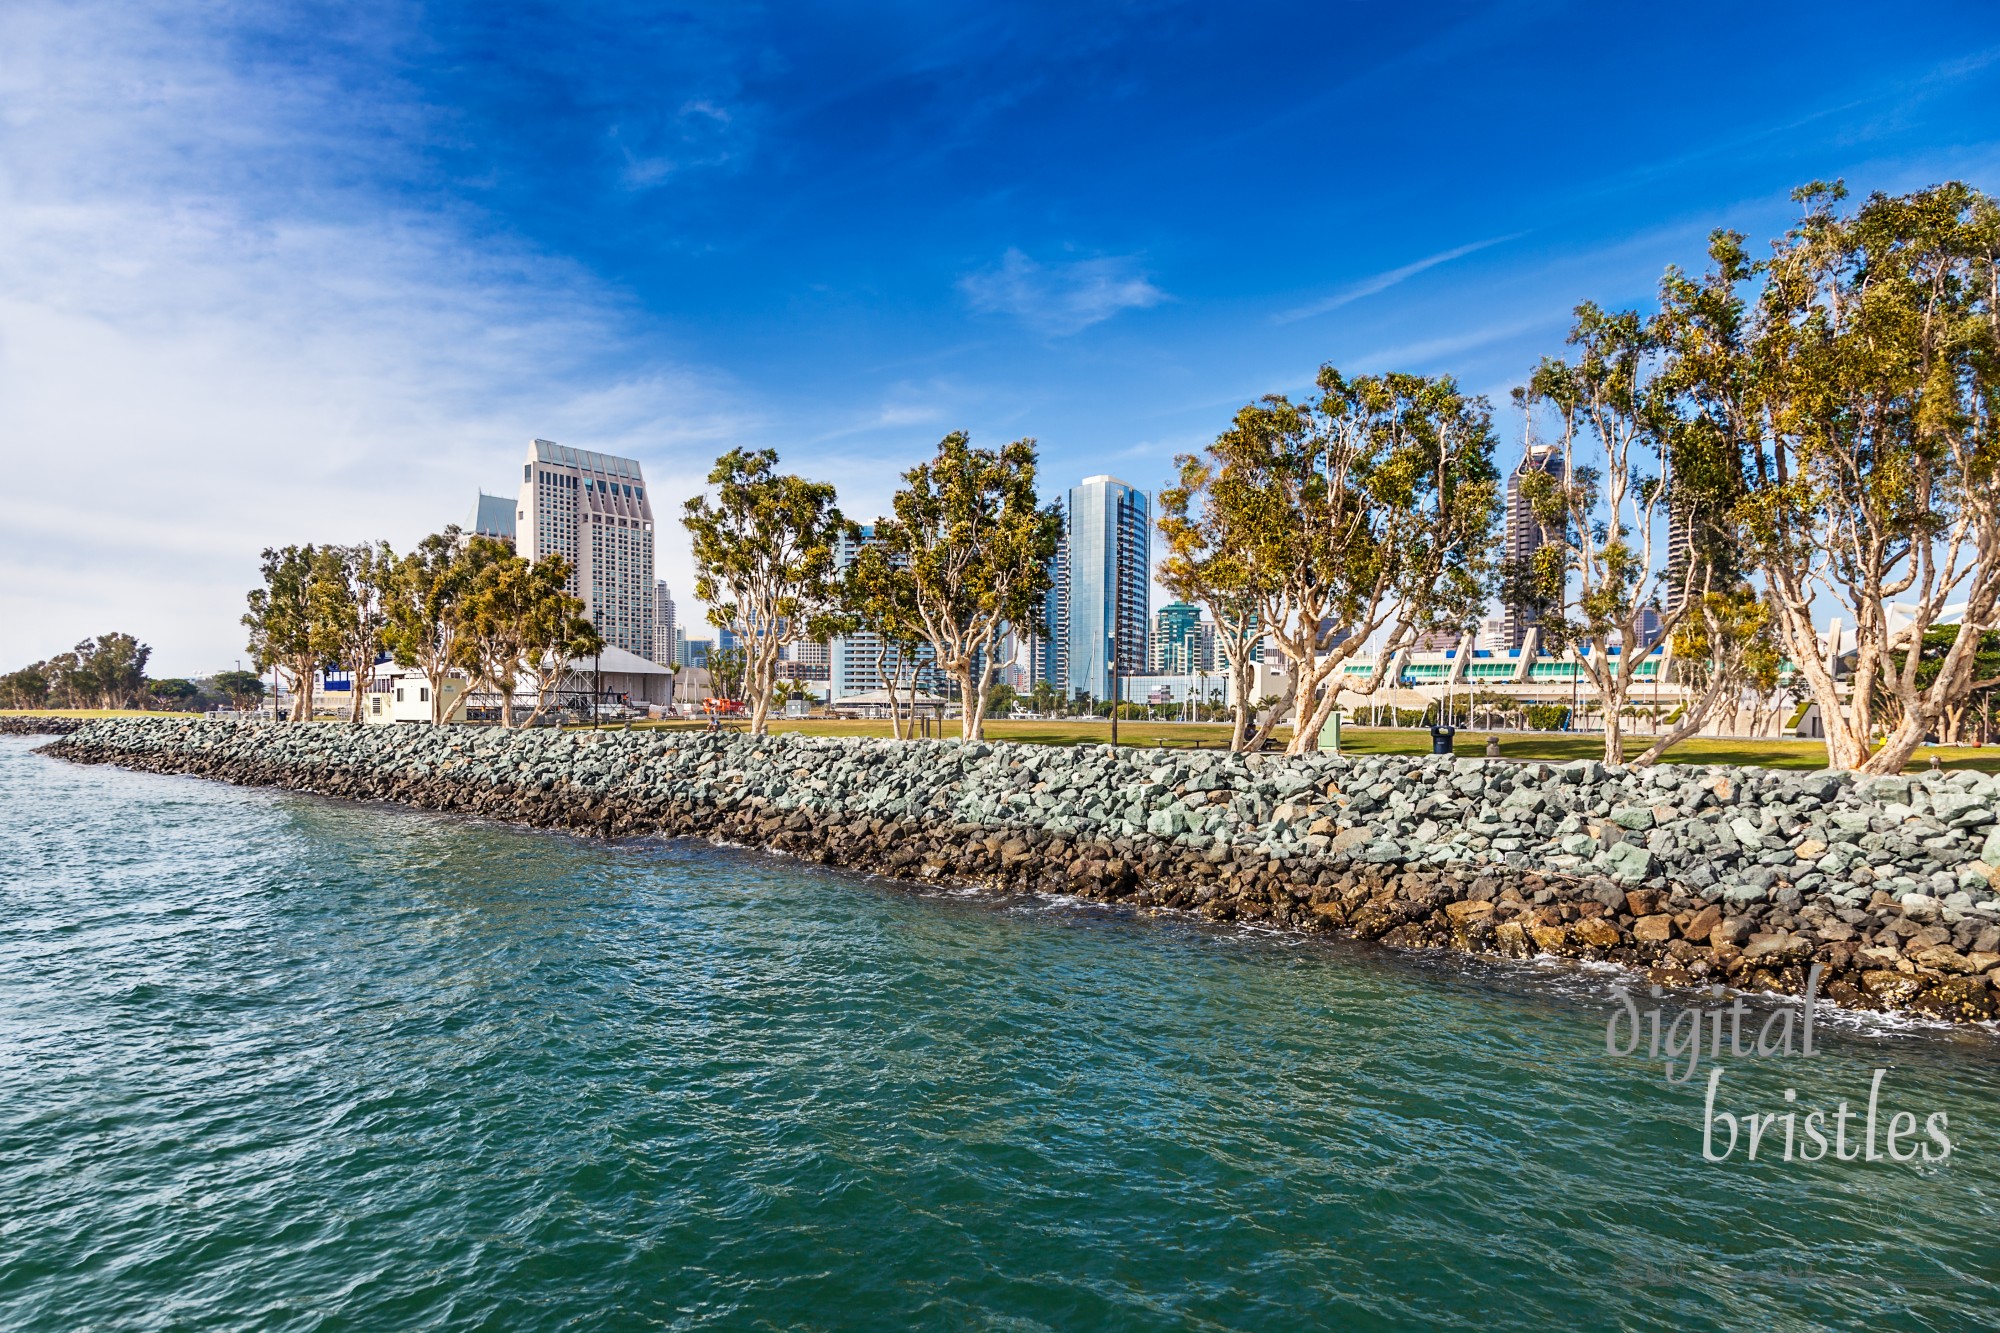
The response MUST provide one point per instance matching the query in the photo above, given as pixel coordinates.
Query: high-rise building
(857, 663)
(1177, 639)
(1680, 553)
(808, 660)
(592, 510)
(1110, 579)
(1526, 534)
(666, 633)
(492, 516)
(1048, 652)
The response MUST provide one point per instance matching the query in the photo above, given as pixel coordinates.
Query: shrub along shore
(1695, 875)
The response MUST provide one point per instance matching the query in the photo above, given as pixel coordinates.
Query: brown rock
(1943, 958)
(1773, 947)
(1812, 849)
(1653, 929)
(1466, 909)
(1889, 987)
(1983, 962)
(1642, 902)
(1599, 933)
(1729, 932)
(1704, 922)
(1550, 939)
(1511, 938)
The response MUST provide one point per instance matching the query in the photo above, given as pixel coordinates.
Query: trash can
(1441, 739)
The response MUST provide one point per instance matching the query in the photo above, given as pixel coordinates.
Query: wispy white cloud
(702, 132)
(1063, 298)
(202, 353)
(1382, 282)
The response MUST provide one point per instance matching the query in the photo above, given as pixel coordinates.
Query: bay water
(269, 1061)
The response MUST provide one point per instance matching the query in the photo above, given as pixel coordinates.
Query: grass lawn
(1553, 747)
(1550, 746)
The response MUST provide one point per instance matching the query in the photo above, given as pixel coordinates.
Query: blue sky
(277, 273)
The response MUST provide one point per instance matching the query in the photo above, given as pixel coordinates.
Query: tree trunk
(302, 690)
(1614, 736)
(976, 728)
(1897, 748)
(965, 698)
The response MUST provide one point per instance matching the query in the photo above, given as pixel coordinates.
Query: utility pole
(596, 685)
(1114, 689)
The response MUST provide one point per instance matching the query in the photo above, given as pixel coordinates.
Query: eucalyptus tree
(288, 630)
(351, 586)
(110, 670)
(1603, 496)
(979, 549)
(1722, 647)
(495, 617)
(879, 598)
(1872, 355)
(555, 633)
(426, 592)
(1206, 564)
(1367, 514)
(763, 556)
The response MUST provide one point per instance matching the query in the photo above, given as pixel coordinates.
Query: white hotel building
(592, 510)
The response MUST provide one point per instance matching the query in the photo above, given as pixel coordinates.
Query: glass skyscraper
(1108, 568)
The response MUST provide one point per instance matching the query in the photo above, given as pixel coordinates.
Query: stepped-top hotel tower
(592, 510)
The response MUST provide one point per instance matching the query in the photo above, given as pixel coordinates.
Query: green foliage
(288, 624)
(878, 595)
(1368, 509)
(1854, 376)
(978, 549)
(1604, 497)
(1204, 564)
(516, 620)
(422, 608)
(174, 694)
(106, 672)
(727, 672)
(349, 588)
(1547, 717)
(243, 689)
(763, 557)
(25, 688)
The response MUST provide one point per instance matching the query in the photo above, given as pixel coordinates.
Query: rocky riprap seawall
(32, 725)
(1697, 875)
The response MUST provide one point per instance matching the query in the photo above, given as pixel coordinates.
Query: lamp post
(1114, 689)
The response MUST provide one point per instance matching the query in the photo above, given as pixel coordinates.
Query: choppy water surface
(268, 1061)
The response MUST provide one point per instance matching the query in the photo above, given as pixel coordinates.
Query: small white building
(403, 694)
